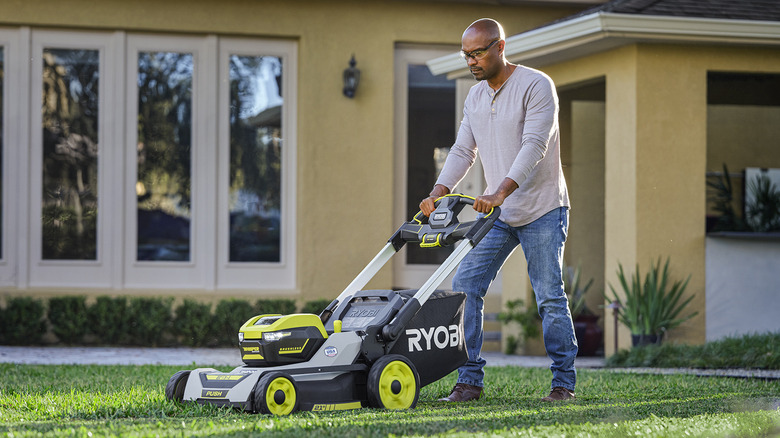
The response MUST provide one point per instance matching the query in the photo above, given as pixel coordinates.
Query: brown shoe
(559, 394)
(463, 392)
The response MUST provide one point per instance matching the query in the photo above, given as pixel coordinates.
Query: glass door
(428, 112)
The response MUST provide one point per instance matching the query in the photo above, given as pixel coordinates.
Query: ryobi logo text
(441, 337)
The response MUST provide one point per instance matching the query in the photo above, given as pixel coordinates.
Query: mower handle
(442, 228)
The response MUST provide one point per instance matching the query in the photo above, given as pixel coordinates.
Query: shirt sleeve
(462, 154)
(541, 112)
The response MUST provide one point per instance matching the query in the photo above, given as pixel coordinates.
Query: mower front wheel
(393, 383)
(174, 390)
(276, 394)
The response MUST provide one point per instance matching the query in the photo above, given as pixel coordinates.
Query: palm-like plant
(653, 305)
(574, 291)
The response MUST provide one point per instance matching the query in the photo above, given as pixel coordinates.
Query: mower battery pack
(271, 340)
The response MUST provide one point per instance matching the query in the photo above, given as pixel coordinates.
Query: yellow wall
(345, 146)
(656, 157)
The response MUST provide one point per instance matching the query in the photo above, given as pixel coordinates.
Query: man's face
(482, 55)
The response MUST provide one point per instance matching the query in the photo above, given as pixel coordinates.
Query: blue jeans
(542, 242)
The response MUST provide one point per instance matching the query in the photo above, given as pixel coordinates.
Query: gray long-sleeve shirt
(516, 132)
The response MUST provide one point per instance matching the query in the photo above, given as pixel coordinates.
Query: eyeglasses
(479, 53)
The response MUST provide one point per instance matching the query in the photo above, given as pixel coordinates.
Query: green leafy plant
(150, 320)
(526, 317)
(108, 319)
(721, 194)
(512, 343)
(192, 323)
(228, 317)
(22, 321)
(281, 306)
(68, 318)
(762, 208)
(651, 305)
(759, 351)
(315, 306)
(576, 292)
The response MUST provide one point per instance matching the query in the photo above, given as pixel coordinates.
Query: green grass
(752, 351)
(129, 401)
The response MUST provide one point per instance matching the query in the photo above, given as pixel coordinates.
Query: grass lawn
(129, 401)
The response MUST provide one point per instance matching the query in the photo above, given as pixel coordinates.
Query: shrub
(754, 351)
(68, 318)
(651, 305)
(108, 320)
(22, 323)
(192, 323)
(149, 320)
(315, 306)
(229, 316)
(280, 306)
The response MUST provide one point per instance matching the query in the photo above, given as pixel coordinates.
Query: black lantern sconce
(351, 78)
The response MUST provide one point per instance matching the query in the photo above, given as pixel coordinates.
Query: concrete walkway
(204, 357)
(201, 357)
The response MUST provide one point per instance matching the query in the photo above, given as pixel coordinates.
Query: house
(656, 96)
(206, 149)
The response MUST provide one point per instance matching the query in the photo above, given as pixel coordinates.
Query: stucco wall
(656, 157)
(345, 146)
(742, 291)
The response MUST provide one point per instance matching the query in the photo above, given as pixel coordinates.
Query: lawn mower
(372, 348)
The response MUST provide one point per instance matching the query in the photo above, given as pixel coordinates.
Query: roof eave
(601, 31)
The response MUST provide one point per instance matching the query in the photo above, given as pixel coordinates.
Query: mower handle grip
(442, 227)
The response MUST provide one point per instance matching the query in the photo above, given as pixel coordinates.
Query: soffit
(597, 32)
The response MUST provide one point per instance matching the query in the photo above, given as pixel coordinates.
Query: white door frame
(413, 275)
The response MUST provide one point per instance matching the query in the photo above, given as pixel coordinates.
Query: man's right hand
(428, 204)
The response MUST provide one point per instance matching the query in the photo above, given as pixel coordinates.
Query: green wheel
(393, 383)
(174, 390)
(276, 394)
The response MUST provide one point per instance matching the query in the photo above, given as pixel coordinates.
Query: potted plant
(586, 328)
(589, 334)
(652, 305)
(527, 318)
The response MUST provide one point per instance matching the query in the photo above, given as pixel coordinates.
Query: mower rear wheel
(174, 390)
(276, 394)
(393, 383)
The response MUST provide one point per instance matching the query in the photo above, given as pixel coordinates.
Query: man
(511, 116)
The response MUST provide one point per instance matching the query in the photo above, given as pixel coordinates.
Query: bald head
(485, 28)
(482, 46)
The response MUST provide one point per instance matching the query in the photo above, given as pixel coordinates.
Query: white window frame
(116, 267)
(198, 271)
(72, 273)
(258, 275)
(9, 42)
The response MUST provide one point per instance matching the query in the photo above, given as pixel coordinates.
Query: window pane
(255, 158)
(164, 155)
(70, 154)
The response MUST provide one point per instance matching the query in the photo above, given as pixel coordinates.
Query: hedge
(138, 321)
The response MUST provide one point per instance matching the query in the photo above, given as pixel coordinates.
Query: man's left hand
(485, 203)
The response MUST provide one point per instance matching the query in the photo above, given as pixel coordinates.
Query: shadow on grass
(429, 418)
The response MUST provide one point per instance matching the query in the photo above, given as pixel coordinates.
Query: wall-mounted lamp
(351, 78)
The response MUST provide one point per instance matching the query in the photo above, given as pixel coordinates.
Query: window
(69, 120)
(742, 131)
(69, 236)
(153, 161)
(11, 191)
(164, 153)
(256, 182)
